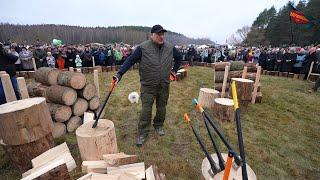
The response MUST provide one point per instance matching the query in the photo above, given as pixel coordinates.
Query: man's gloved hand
(117, 78)
(172, 75)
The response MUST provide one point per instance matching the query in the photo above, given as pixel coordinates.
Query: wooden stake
(256, 83)
(96, 81)
(22, 88)
(34, 64)
(93, 63)
(225, 80)
(8, 88)
(244, 73)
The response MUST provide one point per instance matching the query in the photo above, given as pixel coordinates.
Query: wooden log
(54, 170)
(79, 107)
(109, 68)
(118, 159)
(113, 68)
(152, 173)
(59, 152)
(223, 109)
(301, 76)
(72, 79)
(24, 121)
(37, 90)
(94, 167)
(21, 155)
(218, 87)
(22, 88)
(78, 70)
(235, 74)
(244, 90)
(31, 74)
(60, 113)
(295, 76)
(59, 129)
(8, 88)
(94, 103)
(251, 67)
(219, 77)
(251, 76)
(47, 76)
(96, 82)
(290, 75)
(73, 123)
(88, 91)
(234, 173)
(61, 95)
(220, 66)
(137, 169)
(207, 96)
(70, 69)
(283, 74)
(85, 70)
(99, 68)
(313, 77)
(91, 69)
(104, 69)
(95, 142)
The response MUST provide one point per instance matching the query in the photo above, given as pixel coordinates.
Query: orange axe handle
(228, 166)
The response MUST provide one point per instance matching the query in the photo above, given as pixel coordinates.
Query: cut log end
(74, 123)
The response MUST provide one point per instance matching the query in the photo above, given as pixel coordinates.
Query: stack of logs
(68, 94)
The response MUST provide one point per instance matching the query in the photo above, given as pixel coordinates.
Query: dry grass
(281, 135)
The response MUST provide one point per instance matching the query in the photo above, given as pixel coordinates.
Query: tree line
(82, 35)
(275, 28)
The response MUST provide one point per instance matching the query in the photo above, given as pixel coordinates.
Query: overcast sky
(215, 19)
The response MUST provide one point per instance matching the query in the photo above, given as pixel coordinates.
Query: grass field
(281, 135)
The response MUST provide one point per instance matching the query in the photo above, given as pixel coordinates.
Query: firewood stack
(68, 94)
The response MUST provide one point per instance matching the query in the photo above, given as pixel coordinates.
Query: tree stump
(290, 75)
(74, 123)
(59, 129)
(223, 109)
(88, 91)
(94, 103)
(207, 96)
(61, 95)
(74, 80)
(234, 173)
(60, 113)
(47, 76)
(21, 155)
(220, 66)
(244, 90)
(95, 142)
(37, 90)
(24, 121)
(79, 107)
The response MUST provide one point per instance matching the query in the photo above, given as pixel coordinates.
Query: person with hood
(78, 61)
(7, 64)
(26, 59)
(87, 58)
(50, 60)
(155, 57)
(297, 66)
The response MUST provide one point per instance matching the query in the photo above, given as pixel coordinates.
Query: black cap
(157, 28)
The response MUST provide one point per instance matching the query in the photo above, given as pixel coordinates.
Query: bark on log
(24, 121)
(95, 142)
(74, 123)
(37, 90)
(47, 76)
(244, 90)
(251, 67)
(218, 87)
(60, 113)
(21, 155)
(220, 66)
(207, 96)
(79, 107)
(62, 95)
(223, 109)
(94, 103)
(59, 129)
(235, 74)
(74, 80)
(88, 91)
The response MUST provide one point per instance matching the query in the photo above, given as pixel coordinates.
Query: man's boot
(160, 131)
(141, 139)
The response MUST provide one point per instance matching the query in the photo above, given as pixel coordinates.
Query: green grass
(281, 134)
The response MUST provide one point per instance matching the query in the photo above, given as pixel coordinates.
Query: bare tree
(243, 32)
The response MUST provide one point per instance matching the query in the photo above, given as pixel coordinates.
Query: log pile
(68, 94)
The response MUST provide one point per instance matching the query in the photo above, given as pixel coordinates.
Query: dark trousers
(149, 94)
(15, 88)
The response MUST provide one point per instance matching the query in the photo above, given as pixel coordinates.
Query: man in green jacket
(155, 57)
